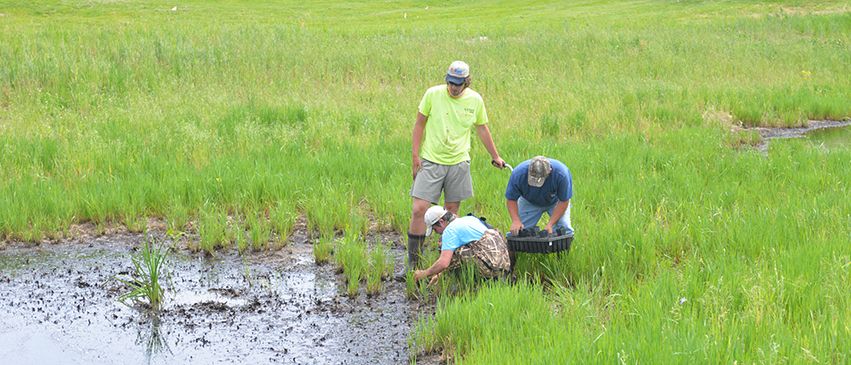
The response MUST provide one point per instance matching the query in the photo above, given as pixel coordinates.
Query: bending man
(465, 239)
(536, 186)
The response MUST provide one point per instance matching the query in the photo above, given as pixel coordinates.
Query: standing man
(440, 153)
(536, 186)
(465, 239)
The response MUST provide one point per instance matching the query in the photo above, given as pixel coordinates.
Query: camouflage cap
(539, 169)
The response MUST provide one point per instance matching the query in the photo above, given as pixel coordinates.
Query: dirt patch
(57, 305)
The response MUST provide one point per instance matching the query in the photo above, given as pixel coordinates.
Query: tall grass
(352, 260)
(219, 114)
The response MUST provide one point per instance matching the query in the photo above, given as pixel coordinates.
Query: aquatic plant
(351, 259)
(323, 249)
(380, 266)
(148, 272)
(258, 231)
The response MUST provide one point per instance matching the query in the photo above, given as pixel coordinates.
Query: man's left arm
(485, 136)
(558, 211)
(437, 267)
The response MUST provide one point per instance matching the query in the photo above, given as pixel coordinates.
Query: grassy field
(231, 120)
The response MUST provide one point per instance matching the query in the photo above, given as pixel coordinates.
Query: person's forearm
(513, 210)
(438, 266)
(419, 131)
(558, 212)
(434, 269)
(487, 140)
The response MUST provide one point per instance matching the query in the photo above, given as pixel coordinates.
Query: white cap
(458, 71)
(432, 215)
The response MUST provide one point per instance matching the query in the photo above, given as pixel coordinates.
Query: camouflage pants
(489, 254)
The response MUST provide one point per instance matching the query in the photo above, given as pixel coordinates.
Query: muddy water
(57, 306)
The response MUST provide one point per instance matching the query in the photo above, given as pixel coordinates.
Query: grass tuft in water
(352, 259)
(323, 249)
(148, 270)
(380, 266)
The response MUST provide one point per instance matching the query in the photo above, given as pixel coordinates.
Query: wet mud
(59, 306)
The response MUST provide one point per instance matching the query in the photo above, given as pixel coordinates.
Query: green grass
(149, 270)
(352, 260)
(233, 121)
(380, 266)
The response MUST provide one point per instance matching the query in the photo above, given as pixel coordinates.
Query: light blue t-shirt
(462, 231)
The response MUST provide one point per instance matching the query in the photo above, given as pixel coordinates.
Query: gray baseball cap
(458, 71)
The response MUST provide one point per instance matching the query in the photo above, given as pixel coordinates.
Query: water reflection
(831, 138)
(153, 339)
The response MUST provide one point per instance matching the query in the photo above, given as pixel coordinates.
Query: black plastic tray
(536, 241)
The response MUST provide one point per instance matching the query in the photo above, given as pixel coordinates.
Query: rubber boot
(415, 244)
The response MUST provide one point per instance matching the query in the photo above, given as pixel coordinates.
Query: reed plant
(380, 265)
(149, 271)
(352, 260)
(323, 249)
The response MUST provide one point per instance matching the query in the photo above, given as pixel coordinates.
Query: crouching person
(465, 239)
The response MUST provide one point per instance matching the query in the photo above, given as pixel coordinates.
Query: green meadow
(232, 121)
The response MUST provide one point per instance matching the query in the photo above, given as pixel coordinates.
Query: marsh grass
(282, 220)
(380, 265)
(149, 271)
(323, 249)
(352, 260)
(119, 111)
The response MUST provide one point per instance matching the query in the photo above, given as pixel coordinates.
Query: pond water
(831, 138)
(58, 306)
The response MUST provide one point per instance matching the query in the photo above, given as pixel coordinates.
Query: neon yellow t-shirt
(446, 139)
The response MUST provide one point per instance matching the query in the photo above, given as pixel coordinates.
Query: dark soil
(58, 305)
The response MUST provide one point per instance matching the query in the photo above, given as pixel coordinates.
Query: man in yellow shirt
(441, 145)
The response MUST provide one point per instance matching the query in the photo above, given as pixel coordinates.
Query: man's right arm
(516, 225)
(419, 130)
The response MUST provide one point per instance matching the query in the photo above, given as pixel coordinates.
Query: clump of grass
(211, 229)
(258, 231)
(177, 216)
(420, 289)
(749, 138)
(550, 126)
(148, 270)
(322, 250)
(283, 221)
(380, 266)
(352, 260)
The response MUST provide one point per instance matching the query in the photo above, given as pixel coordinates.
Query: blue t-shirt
(462, 231)
(557, 187)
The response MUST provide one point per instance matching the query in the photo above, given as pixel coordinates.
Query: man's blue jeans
(530, 214)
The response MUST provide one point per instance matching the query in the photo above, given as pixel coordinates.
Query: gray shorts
(453, 180)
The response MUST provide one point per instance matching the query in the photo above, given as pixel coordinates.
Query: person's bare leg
(452, 207)
(417, 225)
